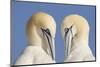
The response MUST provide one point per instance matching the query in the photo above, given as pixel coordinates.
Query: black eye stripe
(46, 31)
(67, 29)
(71, 27)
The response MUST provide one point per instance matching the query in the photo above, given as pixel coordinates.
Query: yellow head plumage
(79, 23)
(36, 22)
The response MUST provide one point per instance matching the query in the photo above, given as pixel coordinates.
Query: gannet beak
(50, 39)
(68, 39)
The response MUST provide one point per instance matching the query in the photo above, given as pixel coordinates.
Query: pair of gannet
(41, 29)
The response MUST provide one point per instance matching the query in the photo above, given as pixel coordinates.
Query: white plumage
(40, 31)
(34, 55)
(75, 31)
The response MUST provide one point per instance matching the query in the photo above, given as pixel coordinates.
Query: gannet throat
(68, 39)
(47, 34)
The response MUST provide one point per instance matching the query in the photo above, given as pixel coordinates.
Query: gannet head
(74, 27)
(41, 30)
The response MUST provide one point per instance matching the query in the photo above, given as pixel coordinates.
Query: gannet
(75, 32)
(40, 31)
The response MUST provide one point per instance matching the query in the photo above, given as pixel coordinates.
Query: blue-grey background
(21, 12)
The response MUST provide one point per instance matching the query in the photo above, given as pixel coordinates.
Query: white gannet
(75, 32)
(40, 31)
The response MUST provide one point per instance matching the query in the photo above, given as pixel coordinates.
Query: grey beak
(50, 39)
(68, 39)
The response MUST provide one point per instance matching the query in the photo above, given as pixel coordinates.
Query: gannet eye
(46, 31)
(66, 30)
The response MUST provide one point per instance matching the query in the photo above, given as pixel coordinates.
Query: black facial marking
(46, 31)
(67, 29)
(48, 36)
